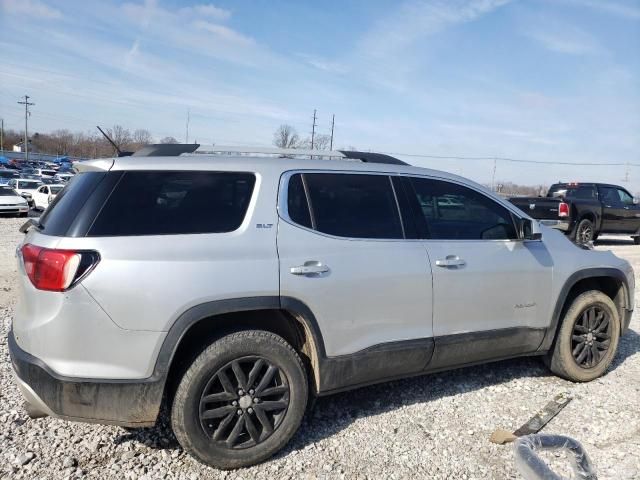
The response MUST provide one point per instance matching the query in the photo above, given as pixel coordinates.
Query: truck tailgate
(540, 208)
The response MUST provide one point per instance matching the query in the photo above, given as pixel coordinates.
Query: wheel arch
(611, 281)
(202, 324)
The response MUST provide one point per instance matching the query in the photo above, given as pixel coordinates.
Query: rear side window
(165, 202)
(455, 212)
(353, 205)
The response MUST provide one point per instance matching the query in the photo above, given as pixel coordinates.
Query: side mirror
(530, 229)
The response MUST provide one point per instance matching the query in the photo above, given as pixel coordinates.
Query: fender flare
(193, 315)
(576, 277)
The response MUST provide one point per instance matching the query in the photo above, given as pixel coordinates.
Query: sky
(542, 80)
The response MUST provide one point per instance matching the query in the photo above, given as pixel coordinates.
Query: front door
(619, 213)
(491, 290)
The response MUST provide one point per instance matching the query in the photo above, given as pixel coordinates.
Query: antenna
(120, 152)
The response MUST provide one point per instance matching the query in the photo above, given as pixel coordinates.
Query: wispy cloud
(624, 10)
(31, 8)
(207, 10)
(562, 37)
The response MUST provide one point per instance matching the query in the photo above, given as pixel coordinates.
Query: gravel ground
(435, 426)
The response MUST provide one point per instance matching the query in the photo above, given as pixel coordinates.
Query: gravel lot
(435, 426)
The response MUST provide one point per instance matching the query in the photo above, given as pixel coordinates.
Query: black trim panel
(124, 403)
(564, 293)
(375, 364)
(476, 347)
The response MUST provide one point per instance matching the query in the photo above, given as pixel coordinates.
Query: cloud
(207, 10)
(323, 64)
(563, 38)
(622, 10)
(31, 8)
(224, 33)
(416, 20)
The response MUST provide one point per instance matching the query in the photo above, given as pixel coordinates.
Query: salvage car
(12, 203)
(234, 286)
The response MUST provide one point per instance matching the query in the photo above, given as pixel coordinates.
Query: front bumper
(117, 402)
(557, 224)
(23, 208)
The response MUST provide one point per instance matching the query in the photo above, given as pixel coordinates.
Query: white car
(11, 202)
(25, 187)
(45, 194)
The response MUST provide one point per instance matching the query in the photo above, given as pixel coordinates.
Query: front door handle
(310, 268)
(451, 261)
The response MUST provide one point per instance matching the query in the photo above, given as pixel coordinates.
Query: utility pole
(186, 140)
(1, 135)
(333, 121)
(313, 128)
(26, 104)
(493, 177)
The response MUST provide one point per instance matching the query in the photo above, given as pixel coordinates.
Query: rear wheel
(241, 400)
(587, 340)
(585, 232)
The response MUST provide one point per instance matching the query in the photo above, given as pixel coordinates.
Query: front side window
(615, 197)
(455, 212)
(165, 202)
(347, 205)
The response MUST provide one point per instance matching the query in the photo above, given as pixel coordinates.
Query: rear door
(491, 290)
(343, 253)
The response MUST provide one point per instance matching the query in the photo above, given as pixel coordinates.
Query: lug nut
(250, 410)
(239, 411)
(256, 400)
(234, 403)
(252, 391)
(240, 392)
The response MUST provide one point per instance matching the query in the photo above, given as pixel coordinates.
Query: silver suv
(234, 286)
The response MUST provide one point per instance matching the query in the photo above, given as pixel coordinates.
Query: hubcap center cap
(589, 337)
(245, 401)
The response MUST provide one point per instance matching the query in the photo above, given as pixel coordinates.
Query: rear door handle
(310, 268)
(451, 261)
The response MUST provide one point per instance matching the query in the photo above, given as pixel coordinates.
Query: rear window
(165, 203)
(28, 185)
(572, 191)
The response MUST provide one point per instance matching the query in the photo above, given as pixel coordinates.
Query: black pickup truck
(585, 210)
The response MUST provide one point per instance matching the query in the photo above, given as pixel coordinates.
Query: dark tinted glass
(455, 212)
(161, 203)
(297, 202)
(355, 206)
(65, 206)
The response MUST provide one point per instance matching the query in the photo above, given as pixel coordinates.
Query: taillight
(56, 270)
(563, 209)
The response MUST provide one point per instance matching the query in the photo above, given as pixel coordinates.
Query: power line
(516, 160)
(26, 104)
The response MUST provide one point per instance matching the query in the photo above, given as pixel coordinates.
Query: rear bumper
(557, 224)
(118, 402)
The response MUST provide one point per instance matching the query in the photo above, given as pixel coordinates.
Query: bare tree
(169, 140)
(142, 137)
(286, 137)
(321, 142)
(120, 136)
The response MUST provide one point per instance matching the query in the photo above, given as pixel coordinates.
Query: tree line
(84, 144)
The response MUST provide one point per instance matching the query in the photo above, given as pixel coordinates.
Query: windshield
(5, 192)
(55, 188)
(28, 185)
(7, 174)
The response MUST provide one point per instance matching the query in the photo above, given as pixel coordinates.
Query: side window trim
(398, 209)
(427, 236)
(283, 207)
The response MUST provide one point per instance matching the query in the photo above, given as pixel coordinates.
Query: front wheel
(587, 340)
(241, 400)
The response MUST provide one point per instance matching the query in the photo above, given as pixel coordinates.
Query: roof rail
(287, 152)
(174, 149)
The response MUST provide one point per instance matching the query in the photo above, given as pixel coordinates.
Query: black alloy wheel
(591, 336)
(585, 232)
(244, 402)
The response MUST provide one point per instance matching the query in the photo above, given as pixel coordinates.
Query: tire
(584, 232)
(636, 240)
(263, 430)
(577, 329)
